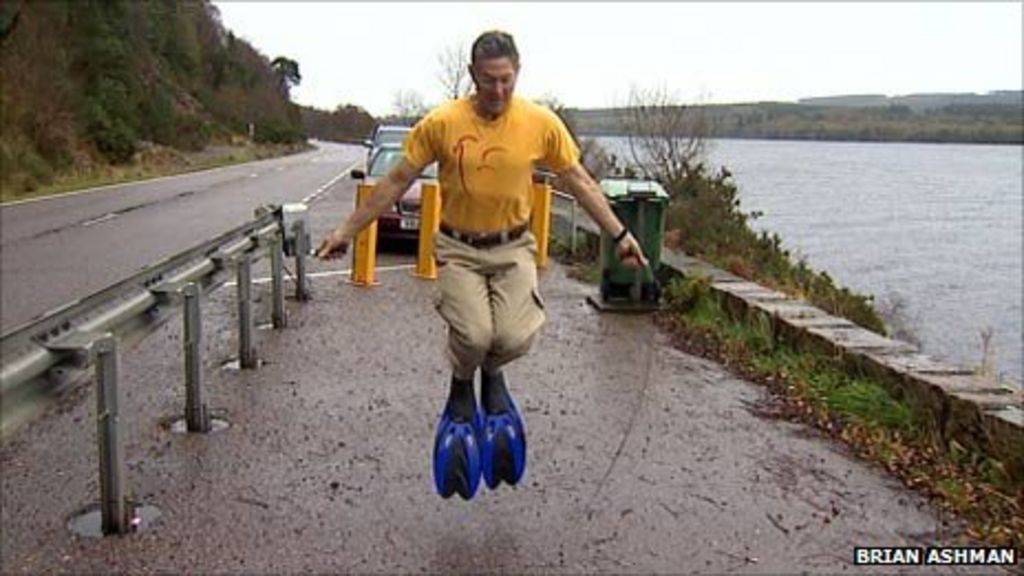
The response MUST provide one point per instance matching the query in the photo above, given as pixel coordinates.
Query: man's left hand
(630, 253)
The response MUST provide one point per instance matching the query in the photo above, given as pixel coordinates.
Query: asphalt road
(642, 459)
(59, 249)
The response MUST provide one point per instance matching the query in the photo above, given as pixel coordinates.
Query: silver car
(385, 135)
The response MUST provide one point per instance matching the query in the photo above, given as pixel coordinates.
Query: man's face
(495, 79)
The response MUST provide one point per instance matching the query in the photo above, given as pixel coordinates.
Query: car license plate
(409, 224)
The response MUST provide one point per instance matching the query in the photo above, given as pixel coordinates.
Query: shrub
(192, 133)
(112, 135)
(705, 215)
(277, 133)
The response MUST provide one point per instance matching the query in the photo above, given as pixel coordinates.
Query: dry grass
(152, 162)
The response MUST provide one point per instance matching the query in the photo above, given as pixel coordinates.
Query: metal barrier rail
(39, 355)
(54, 350)
(572, 216)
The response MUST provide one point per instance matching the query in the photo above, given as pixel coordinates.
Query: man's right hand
(334, 246)
(629, 252)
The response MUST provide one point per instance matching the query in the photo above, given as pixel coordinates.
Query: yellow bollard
(364, 256)
(430, 222)
(540, 221)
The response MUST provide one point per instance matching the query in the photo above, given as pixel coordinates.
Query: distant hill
(87, 83)
(996, 117)
(920, 102)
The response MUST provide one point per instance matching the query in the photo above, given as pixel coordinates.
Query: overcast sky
(590, 55)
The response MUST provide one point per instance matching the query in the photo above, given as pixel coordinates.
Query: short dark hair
(494, 44)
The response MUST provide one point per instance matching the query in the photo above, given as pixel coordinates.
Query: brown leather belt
(484, 239)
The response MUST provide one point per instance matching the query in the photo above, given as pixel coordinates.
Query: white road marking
(310, 198)
(104, 218)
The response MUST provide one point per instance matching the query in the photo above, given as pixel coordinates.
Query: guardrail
(573, 222)
(56, 349)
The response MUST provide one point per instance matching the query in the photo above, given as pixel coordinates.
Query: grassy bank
(817, 390)
(152, 162)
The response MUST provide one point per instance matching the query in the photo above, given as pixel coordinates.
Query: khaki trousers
(490, 301)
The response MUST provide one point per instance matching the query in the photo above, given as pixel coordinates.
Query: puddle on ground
(180, 425)
(89, 524)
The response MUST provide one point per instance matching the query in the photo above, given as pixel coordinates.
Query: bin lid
(622, 188)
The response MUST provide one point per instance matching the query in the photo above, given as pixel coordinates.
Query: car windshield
(386, 158)
(391, 136)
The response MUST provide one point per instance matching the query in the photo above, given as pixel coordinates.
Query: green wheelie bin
(640, 205)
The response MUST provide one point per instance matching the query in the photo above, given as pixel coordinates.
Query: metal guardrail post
(196, 417)
(573, 212)
(37, 359)
(278, 316)
(114, 506)
(301, 250)
(246, 354)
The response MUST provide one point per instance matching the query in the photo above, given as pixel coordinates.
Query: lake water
(934, 230)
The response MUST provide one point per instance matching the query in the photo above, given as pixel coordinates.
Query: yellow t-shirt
(486, 167)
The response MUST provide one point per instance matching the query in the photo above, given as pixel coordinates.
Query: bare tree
(666, 137)
(453, 73)
(408, 105)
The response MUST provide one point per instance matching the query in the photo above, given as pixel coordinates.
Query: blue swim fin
(457, 455)
(503, 444)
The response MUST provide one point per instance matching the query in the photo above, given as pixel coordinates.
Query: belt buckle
(474, 240)
(485, 240)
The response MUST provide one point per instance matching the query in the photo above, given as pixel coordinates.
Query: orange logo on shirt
(460, 151)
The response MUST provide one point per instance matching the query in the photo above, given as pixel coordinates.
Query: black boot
(461, 400)
(493, 395)
(503, 434)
